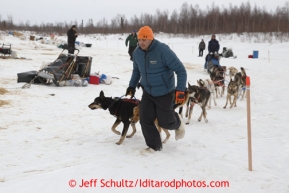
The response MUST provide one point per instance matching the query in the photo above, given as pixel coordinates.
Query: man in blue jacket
(154, 66)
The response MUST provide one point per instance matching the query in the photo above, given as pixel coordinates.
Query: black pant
(130, 51)
(201, 52)
(161, 108)
(71, 48)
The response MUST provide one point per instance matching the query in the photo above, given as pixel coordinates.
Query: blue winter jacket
(155, 70)
(213, 46)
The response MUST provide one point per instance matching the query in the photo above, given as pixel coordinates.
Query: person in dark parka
(202, 46)
(213, 49)
(71, 37)
(214, 45)
(132, 39)
(155, 66)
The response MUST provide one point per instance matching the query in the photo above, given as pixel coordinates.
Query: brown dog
(232, 90)
(136, 118)
(232, 72)
(200, 96)
(240, 77)
(211, 87)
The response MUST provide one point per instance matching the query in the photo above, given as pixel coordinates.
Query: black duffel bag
(27, 77)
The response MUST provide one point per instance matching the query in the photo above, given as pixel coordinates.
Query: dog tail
(243, 72)
(201, 82)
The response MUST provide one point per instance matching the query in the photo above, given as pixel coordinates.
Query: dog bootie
(180, 132)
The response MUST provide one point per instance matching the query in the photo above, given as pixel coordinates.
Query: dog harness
(134, 101)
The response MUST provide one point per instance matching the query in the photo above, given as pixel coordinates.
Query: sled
(61, 70)
(228, 53)
(5, 50)
(211, 61)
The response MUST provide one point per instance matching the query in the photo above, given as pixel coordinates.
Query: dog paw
(165, 141)
(117, 143)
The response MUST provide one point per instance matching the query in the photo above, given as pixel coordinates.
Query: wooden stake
(249, 123)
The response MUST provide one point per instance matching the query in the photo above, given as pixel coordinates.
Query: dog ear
(189, 84)
(101, 94)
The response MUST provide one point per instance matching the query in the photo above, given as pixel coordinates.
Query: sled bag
(27, 77)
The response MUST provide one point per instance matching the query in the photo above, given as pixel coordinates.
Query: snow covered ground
(46, 141)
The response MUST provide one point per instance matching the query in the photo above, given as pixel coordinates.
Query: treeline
(190, 20)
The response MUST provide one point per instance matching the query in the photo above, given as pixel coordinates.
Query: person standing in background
(132, 39)
(213, 49)
(202, 46)
(214, 45)
(71, 37)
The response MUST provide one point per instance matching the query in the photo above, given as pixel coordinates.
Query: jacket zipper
(145, 57)
(165, 82)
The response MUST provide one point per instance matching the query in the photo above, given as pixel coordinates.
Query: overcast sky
(38, 11)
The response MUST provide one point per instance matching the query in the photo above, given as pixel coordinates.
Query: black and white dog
(200, 96)
(240, 77)
(122, 109)
(211, 87)
(218, 75)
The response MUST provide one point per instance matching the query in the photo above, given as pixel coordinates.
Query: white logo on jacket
(153, 62)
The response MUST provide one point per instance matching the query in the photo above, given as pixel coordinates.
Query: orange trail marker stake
(249, 123)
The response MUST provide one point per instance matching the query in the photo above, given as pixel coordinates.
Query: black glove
(130, 91)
